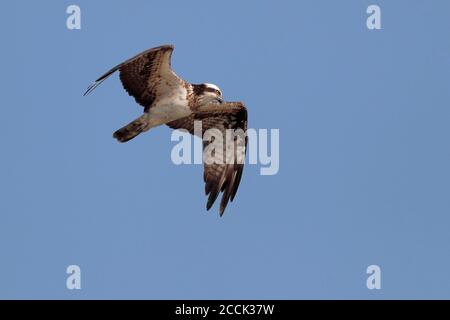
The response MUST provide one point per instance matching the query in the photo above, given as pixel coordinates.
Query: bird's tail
(132, 129)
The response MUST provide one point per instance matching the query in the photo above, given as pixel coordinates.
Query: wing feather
(141, 75)
(219, 177)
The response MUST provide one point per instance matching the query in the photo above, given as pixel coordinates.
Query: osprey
(168, 99)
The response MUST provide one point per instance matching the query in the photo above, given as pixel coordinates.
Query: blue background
(364, 153)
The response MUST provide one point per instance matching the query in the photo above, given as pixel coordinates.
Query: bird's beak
(220, 100)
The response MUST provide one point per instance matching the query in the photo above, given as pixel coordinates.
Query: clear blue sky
(364, 157)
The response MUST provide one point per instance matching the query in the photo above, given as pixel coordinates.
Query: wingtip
(89, 89)
(221, 210)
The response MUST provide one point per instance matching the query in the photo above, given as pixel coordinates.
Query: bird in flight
(168, 99)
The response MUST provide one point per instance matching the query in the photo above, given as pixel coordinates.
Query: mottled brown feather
(140, 74)
(218, 177)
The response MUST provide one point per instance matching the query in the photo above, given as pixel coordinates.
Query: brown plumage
(168, 99)
(227, 176)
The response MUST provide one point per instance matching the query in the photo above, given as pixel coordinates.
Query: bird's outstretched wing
(220, 177)
(145, 75)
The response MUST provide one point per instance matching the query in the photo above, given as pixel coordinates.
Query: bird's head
(208, 93)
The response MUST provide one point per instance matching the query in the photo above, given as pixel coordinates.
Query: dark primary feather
(219, 177)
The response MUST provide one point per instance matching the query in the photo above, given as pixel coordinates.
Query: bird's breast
(172, 105)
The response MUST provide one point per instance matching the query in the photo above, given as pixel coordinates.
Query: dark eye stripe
(213, 90)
